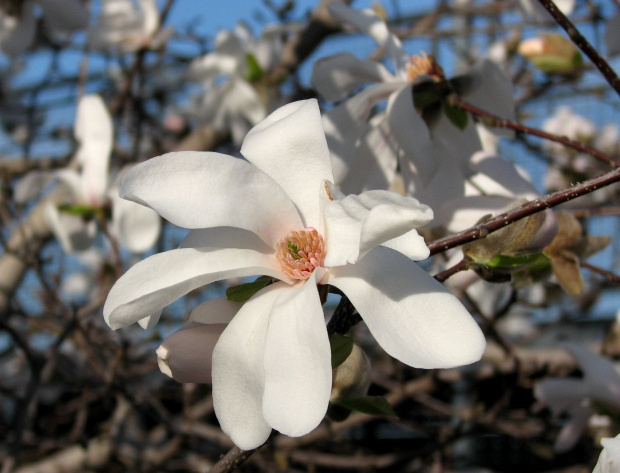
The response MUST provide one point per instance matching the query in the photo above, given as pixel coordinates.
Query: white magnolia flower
(229, 101)
(127, 26)
(18, 28)
(278, 215)
(600, 383)
(609, 460)
(135, 227)
(400, 130)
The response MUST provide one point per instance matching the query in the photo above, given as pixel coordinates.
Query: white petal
(413, 317)
(560, 394)
(356, 224)
(411, 134)
(215, 311)
(498, 176)
(369, 22)
(289, 145)
(200, 190)
(225, 237)
(465, 212)
(238, 371)
(72, 232)
(454, 145)
(492, 91)
(211, 65)
(411, 244)
(93, 130)
(298, 372)
(572, 431)
(160, 279)
(136, 227)
(186, 354)
(337, 76)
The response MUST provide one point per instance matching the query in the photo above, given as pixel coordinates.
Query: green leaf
(373, 405)
(243, 292)
(456, 115)
(503, 261)
(255, 72)
(429, 93)
(341, 348)
(84, 211)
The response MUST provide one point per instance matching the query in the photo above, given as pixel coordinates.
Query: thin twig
(546, 202)
(497, 122)
(611, 277)
(446, 273)
(583, 44)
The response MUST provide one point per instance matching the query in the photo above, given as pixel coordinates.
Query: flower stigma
(300, 253)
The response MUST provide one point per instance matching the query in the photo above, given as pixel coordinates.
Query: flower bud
(552, 54)
(352, 377)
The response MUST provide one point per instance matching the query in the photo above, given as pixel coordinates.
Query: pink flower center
(300, 253)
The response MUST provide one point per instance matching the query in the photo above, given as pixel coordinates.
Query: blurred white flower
(128, 25)
(88, 192)
(609, 459)
(539, 13)
(600, 383)
(278, 215)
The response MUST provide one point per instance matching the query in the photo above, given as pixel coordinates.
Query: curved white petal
(370, 23)
(225, 237)
(136, 227)
(492, 91)
(215, 311)
(411, 134)
(571, 432)
(337, 76)
(200, 190)
(413, 317)
(298, 372)
(498, 176)
(289, 145)
(186, 354)
(454, 146)
(411, 244)
(560, 394)
(93, 130)
(356, 224)
(238, 371)
(465, 212)
(212, 65)
(160, 279)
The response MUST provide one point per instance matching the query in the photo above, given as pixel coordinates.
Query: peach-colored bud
(552, 54)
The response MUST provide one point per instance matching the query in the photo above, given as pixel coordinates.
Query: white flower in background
(609, 459)
(229, 102)
(539, 13)
(600, 383)
(127, 26)
(278, 215)
(89, 190)
(400, 129)
(61, 18)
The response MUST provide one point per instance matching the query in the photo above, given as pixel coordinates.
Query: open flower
(88, 192)
(365, 148)
(278, 215)
(609, 460)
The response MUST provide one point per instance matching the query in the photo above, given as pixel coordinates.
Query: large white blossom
(278, 215)
(90, 189)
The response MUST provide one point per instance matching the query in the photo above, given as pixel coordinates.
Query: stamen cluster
(424, 65)
(300, 253)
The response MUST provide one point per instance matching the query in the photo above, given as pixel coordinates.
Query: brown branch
(611, 277)
(497, 122)
(233, 459)
(446, 273)
(583, 44)
(550, 200)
